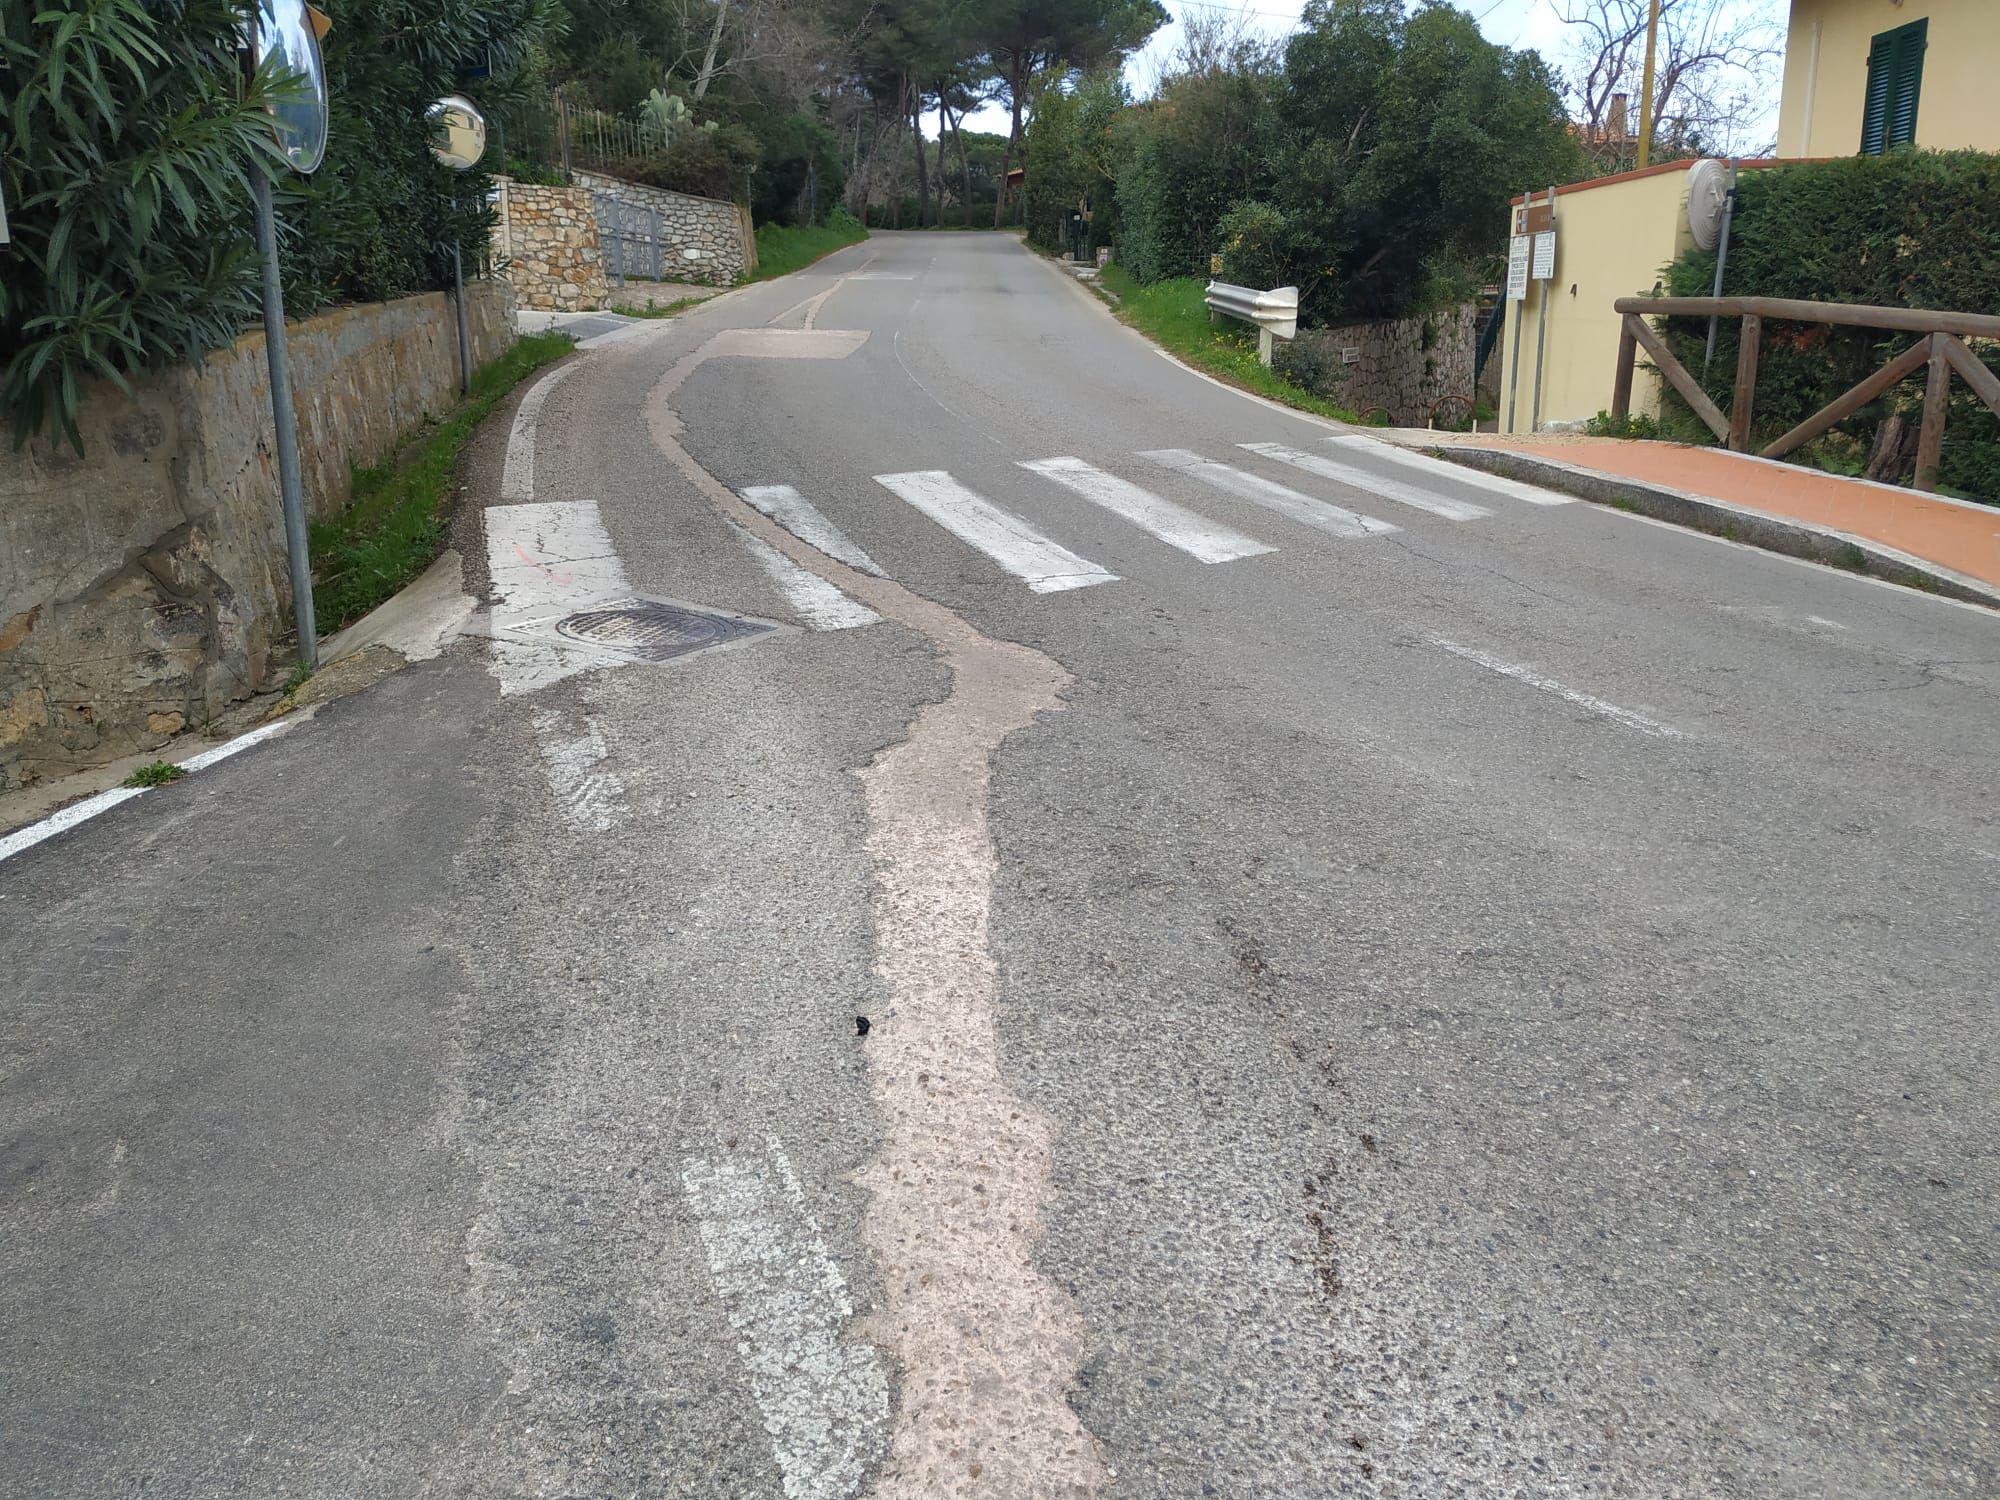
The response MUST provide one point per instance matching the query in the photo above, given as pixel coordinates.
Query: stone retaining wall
(1406, 366)
(706, 240)
(547, 239)
(143, 586)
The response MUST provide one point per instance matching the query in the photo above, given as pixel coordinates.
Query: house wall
(1826, 73)
(144, 585)
(1613, 236)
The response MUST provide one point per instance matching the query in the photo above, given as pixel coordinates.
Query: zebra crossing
(1045, 566)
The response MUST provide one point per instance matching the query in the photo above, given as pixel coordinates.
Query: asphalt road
(1498, 1006)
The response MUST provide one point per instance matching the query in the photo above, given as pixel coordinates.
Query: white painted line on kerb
(1536, 680)
(819, 603)
(825, 1400)
(90, 807)
(517, 478)
(1361, 479)
(803, 520)
(1045, 566)
(1258, 490)
(1442, 469)
(592, 799)
(1196, 535)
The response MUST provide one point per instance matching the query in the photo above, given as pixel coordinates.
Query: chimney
(1614, 119)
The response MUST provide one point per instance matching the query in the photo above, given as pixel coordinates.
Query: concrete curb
(1738, 523)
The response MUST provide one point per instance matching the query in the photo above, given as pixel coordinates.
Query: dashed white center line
(825, 1400)
(592, 799)
(1549, 685)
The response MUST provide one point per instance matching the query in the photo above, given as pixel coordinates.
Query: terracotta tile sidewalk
(1956, 534)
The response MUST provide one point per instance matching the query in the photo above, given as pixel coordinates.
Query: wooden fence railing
(1942, 348)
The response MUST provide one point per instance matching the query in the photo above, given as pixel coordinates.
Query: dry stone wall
(547, 239)
(704, 240)
(143, 585)
(1407, 366)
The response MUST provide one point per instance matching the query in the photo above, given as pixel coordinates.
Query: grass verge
(782, 250)
(1173, 315)
(393, 528)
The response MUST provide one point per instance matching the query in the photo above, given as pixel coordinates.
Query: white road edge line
(1203, 539)
(819, 603)
(805, 521)
(1361, 479)
(82, 812)
(1044, 565)
(517, 477)
(1439, 468)
(1334, 520)
(824, 1399)
(1568, 694)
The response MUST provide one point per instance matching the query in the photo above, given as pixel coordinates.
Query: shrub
(124, 153)
(707, 163)
(126, 140)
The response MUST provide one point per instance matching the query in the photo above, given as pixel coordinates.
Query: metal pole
(1542, 330)
(285, 421)
(1721, 259)
(1646, 84)
(1520, 309)
(464, 336)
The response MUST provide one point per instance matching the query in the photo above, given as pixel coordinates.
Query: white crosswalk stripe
(1439, 469)
(1331, 519)
(1044, 565)
(1196, 535)
(803, 520)
(1388, 489)
(819, 603)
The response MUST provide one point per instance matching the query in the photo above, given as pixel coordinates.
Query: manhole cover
(649, 630)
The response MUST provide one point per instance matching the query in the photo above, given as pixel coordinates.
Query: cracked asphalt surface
(1455, 1089)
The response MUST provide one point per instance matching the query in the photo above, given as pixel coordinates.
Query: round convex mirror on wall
(284, 32)
(458, 132)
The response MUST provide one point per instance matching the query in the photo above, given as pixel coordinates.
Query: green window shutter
(1895, 79)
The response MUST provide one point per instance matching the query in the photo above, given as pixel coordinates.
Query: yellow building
(1614, 236)
(1860, 75)
(1870, 75)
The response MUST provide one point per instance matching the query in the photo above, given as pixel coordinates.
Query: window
(1895, 71)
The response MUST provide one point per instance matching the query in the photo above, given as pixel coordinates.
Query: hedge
(1917, 229)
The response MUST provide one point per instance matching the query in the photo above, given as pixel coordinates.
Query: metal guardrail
(1276, 312)
(1941, 352)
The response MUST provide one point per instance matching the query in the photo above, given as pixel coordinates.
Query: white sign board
(1517, 268)
(1544, 268)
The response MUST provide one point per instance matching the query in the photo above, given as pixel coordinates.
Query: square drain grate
(651, 630)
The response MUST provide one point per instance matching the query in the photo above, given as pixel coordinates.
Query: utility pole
(1646, 84)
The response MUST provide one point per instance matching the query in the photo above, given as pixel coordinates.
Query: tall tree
(1028, 39)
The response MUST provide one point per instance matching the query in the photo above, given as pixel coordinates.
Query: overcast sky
(1511, 23)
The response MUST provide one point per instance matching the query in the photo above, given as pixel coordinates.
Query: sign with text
(1517, 268)
(1544, 266)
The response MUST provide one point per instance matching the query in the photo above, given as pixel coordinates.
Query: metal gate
(629, 238)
